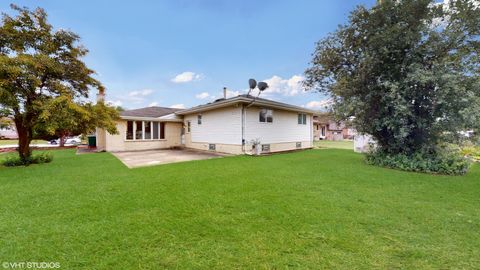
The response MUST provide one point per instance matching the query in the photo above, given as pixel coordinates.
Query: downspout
(243, 129)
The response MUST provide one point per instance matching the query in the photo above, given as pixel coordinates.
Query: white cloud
(321, 104)
(140, 93)
(203, 95)
(137, 96)
(231, 93)
(178, 106)
(114, 103)
(186, 76)
(286, 87)
(153, 104)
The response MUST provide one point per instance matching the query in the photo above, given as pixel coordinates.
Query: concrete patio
(134, 159)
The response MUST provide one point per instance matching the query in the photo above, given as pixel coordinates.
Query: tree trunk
(62, 139)
(24, 139)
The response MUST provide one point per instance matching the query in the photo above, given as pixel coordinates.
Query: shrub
(443, 160)
(473, 152)
(13, 161)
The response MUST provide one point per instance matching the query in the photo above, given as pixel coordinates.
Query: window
(265, 147)
(148, 130)
(302, 119)
(145, 130)
(299, 145)
(129, 130)
(211, 147)
(162, 130)
(188, 126)
(199, 119)
(138, 130)
(323, 131)
(155, 130)
(265, 116)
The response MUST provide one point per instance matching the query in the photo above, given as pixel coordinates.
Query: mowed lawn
(15, 142)
(334, 144)
(311, 209)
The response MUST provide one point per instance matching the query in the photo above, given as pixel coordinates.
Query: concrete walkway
(135, 159)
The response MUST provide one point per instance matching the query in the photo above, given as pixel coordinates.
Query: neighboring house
(7, 129)
(226, 125)
(325, 128)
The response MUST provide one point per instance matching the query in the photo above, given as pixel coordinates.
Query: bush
(443, 160)
(473, 152)
(13, 161)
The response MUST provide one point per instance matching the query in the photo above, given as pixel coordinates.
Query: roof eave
(157, 119)
(235, 100)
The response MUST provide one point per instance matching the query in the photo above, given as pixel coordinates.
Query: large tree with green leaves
(407, 70)
(37, 65)
(62, 116)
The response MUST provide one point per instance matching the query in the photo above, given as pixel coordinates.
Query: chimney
(101, 94)
(225, 92)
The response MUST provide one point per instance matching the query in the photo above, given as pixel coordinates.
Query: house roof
(152, 112)
(245, 99)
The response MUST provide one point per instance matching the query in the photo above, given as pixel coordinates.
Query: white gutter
(239, 99)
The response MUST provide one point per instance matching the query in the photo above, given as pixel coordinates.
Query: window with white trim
(138, 130)
(129, 135)
(265, 116)
(302, 119)
(189, 125)
(145, 130)
(155, 130)
(199, 119)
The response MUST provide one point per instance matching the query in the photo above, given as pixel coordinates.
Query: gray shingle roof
(149, 112)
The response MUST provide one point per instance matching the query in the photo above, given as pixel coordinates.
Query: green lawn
(312, 209)
(334, 144)
(12, 142)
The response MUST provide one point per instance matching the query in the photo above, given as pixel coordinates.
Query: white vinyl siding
(221, 126)
(284, 128)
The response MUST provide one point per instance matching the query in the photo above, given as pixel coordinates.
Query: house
(7, 129)
(326, 128)
(234, 125)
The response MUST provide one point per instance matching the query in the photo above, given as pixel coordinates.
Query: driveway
(135, 159)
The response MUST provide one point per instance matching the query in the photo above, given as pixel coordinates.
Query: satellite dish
(262, 86)
(252, 83)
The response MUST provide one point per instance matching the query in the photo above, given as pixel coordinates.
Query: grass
(15, 142)
(310, 209)
(334, 144)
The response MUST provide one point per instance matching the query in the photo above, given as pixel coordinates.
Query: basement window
(298, 145)
(212, 147)
(265, 147)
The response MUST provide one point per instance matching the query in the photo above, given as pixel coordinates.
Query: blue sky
(182, 53)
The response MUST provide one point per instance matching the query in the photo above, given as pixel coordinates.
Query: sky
(182, 53)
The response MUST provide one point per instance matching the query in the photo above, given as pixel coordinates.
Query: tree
(63, 117)
(38, 64)
(408, 71)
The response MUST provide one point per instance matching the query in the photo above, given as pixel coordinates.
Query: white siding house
(233, 125)
(236, 125)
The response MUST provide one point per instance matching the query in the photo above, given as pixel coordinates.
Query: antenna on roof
(251, 84)
(262, 86)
